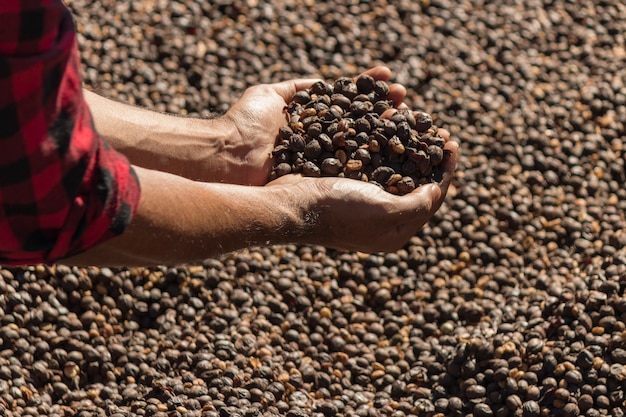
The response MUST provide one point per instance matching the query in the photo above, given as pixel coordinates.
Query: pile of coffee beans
(336, 130)
(511, 302)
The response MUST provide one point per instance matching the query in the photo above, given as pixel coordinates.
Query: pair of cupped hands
(355, 215)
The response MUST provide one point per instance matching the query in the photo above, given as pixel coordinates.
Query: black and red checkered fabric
(62, 188)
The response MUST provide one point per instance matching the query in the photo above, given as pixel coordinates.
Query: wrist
(299, 211)
(184, 146)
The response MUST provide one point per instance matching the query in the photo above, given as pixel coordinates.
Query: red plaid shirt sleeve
(62, 188)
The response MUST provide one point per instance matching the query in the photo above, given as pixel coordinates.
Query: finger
(417, 208)
(451, 153)
(287, 89)
(450, 150)
(444, 133)
(387, 114)
(418, 202)
(429, 197)
(397, 93)
(379, 73)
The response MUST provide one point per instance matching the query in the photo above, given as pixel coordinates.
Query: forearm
(181, 221)
(162, 142)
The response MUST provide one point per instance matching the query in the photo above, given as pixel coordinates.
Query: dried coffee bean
(388, 129)
(365, 84)
(341, 101)
(354, 165)
(423, 121)
(405, 185)
(351, 145)
(398, 117)
(475, 391)
(320, 88)
(374, 146)
(408, 167)
(359, 108)
(312, 150)
(381, 88)
(574, 377)
(436, 155)
(283, 169)
(331, 166)
(362, 97)
(585, 402)
(342, 156)
(342, 84)
(403, 130)
(285, 132)
(339, 140)
(571, 410)
(362, 139)
(302, 97)
(314, 130)
(362, 125)
(363, 155)
(421, 159)
(296, 143)
(382, 174)
(395, 144)
(381, 106)
(531, 409)
(483, 410)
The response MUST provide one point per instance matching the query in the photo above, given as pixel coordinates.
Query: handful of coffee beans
(336, 130)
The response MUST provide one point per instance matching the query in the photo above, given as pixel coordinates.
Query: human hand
(257, 117)
(354, 215)
(235, 148)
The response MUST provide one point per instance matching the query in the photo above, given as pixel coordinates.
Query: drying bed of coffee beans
(509, 303)
(336, 130)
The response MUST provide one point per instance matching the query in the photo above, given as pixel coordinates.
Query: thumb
(435, 192)
(287, 89)
(426, 198)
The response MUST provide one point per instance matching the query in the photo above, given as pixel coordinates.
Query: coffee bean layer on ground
(510, 303)
(339, 130)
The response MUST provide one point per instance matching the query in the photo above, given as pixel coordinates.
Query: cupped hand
(257, 117)
(353, 215)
